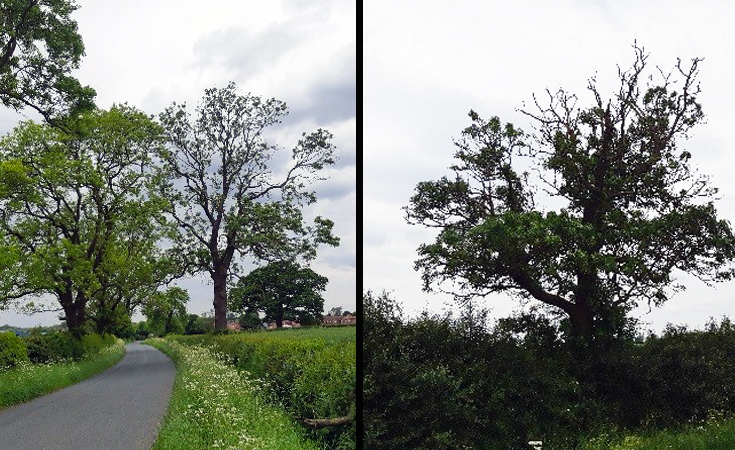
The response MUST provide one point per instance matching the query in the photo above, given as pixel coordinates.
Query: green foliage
(213, 405)
(248, 321)
(198, 325)
(632, 210)
(439, 382)
(142, 331)
(281, 290)
(166, 311)
(521, 380)
(116, 322)
(53, 347)
(12, 350)
(311, 372)
(31, 380)
(39, 48)
(78, 222)
(716, 434)
(222, 193)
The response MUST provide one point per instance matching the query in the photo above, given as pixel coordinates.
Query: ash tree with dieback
(634, 211)
(39, 48)
(226, 199)
(281, 290)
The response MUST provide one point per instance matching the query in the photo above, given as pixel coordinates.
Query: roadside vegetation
(40, 364)
(442, 381)
(214, 406)
(306, 376)
(716, 434)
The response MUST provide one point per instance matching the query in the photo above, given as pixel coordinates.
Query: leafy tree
(166, 311)
(39, 48)
(76, 218)
(281, 290)
(224, 197)
(336, 311)
(198, 325)
(249, 321)
(632, 209)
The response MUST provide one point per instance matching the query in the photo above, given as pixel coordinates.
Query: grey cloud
(329, 103)
(334, 98)
(243, 54)
(340, 258)
(334, 191)
(239, 50)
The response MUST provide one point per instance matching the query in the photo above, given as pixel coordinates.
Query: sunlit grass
(214, 406)
(28, 380)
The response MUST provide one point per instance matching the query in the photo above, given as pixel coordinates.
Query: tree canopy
(634, 211)
(166, 311)
(39, 48)
(281, 290)
(224, 196)
(77, 218)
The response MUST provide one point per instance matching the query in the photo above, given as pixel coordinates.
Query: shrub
(443, 382)
(52, 347)
(12, 350)
(94, 343)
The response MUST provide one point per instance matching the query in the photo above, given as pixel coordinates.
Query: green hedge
(12, 350)
(45, 348)
(310, 372)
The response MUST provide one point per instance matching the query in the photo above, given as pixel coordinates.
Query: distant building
(347, 319)
(285, 324)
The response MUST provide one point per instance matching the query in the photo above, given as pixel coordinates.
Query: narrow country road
(119, 408)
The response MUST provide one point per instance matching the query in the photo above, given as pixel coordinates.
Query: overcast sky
(427, 63)
(152, 53)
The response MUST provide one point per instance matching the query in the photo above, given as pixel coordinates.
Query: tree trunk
(75, 314)
(581, 319)
(279, 319)
(220, 297)
(332, 422)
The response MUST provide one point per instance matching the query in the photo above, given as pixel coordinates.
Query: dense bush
(439, 382)
(12, 350)
(44, 348)
(443, 382)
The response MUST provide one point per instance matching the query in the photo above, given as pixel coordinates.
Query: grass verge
(214, 406)
(717, 435)
(28, 380)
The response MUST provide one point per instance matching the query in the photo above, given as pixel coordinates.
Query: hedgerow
(443, 382)
(312, 375)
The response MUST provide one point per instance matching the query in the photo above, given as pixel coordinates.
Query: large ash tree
(227, 201)
(634, 211)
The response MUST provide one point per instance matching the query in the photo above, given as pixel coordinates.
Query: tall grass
(27, 381)
(213, 406)
(714, 435)
(311, 372)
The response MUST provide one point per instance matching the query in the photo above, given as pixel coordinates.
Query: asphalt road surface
(119, 408)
